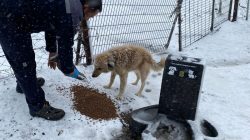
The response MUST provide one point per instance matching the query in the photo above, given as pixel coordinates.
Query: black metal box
(181, 84)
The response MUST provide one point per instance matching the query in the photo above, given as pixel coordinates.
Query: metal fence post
(177, 13)
(212, 21)
(177, 18)
(235, 10)
(247, 9)
(171, 32)
(230, 10)
(179, 23)
(220, 7)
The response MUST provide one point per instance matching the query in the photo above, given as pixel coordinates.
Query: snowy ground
(224, 98)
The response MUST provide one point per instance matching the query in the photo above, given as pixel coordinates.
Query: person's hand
(77, 75)
(52, 61)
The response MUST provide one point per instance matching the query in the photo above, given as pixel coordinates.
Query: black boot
(49, 113)
(40, 82)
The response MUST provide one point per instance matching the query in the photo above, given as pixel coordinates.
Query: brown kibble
(93, 104)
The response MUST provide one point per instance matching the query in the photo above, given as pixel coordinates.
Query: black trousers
(17, 47)
(17, 21)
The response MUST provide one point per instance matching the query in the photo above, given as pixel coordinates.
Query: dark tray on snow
(149, 124)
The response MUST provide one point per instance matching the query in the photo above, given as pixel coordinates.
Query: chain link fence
(221, 11)
(244, 9)
(200, 17)
(38, 43)
(146, 23)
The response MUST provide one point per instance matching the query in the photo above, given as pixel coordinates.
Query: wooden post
(177, 13)
(85, 31)
(79, 45)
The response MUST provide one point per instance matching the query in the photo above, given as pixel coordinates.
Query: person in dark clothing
(92, 8)
(20, 18)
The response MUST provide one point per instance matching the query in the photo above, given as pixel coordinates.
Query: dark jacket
(53, 16)
(43, 15)
(38, 15)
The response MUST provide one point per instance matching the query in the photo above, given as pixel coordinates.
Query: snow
(176, 131)
(225, 92)
(159, 127)
(224, 100)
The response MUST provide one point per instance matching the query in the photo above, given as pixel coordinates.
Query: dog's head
(103, 63)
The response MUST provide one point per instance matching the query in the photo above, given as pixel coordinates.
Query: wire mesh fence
(244, 9)
(38, 43)
(5, 70)
(196, 20)
(221, 10)
(147, 23)
(200, 17)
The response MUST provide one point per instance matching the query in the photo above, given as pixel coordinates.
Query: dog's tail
(158, 66)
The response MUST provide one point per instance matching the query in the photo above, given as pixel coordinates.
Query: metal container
(148, 123)
(180, 89)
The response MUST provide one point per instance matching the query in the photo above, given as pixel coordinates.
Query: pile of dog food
(93, 104)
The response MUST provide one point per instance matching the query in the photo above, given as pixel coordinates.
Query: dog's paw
(119, 97)
(138, 94)
(107, 87)
(134, 84)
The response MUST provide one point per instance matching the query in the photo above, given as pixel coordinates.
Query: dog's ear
(111, 65)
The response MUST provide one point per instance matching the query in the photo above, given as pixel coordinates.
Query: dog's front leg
(123, 83)
(112, 78)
